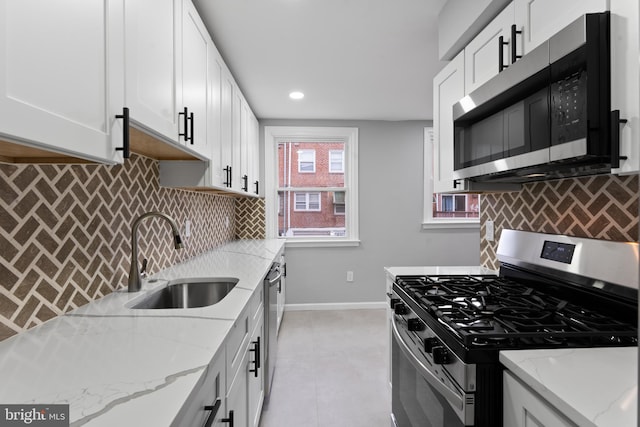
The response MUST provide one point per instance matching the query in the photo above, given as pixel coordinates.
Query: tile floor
(331, 371)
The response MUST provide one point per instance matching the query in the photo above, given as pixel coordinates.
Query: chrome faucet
(135, 281)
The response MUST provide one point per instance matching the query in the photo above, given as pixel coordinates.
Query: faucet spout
(135, 281)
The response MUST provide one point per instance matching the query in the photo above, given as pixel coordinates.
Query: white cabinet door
(448, 88)
(625, 85)
(481, 55)
(61, 78)
(152, 52)
(237, 407)
(541, 19)
(244, 144)
(226, 127)
(195, 81)
(255, 392)
(254, 154)
(217, 162)
(236, 126)
(524, 408)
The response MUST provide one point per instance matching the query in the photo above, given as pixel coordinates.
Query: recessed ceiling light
(296, 95)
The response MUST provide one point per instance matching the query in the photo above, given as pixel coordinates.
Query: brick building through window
(312, 194)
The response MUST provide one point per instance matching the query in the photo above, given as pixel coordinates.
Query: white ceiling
(353, 59)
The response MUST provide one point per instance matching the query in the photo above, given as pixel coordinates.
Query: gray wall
(391, 200)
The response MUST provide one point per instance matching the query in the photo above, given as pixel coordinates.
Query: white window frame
(341, 170)
(428, 221)
(312, 161)
(348, 135)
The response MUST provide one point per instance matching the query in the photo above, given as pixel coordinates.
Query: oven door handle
(451, 396)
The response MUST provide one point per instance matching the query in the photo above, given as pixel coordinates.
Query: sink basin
(188, 293)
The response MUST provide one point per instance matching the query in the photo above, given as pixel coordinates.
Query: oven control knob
(441, 356)
(415, 324)
(430, 343)
(401, 308)
(393, 302)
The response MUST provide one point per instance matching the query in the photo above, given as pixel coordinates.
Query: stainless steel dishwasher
(271, 287)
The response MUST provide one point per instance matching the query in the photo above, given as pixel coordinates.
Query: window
(336, 161)
(312, 196)
(442, 210)
(306, 161)
(307, 201)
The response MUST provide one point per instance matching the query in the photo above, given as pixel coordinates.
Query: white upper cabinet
(540, 19)
(482, 54)
(448, 88)
(152, 64)
(61, 78)
(195, 81)
(625, 84)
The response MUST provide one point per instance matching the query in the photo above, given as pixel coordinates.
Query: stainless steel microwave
(546, 116)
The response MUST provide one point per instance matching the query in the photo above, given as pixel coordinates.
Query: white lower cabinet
(255, 372)
(231, 392)
(523, 407)
(206, 404)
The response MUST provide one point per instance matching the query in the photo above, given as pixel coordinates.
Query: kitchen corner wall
(602, 207)
(65, 232)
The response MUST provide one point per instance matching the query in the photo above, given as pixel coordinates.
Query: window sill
(321, 243)
(443, 224)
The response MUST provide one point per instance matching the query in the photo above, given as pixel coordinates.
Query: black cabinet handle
(214, 411)
(514, 33)
(228, 172)
(501, 44)
(228, 420)
(256, 353)
(615, 138)
(190, 138)
(185, 124)
(456, 182)
(257, 183)
(245, 180)
(125, 133)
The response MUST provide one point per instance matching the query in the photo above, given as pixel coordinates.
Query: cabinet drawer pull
(190, 138)
(125, 133)
(228, 420)
(256, 352)
(228, 172)
(501, 44)
(245, 180)
(214, 411)
(514, 32)
(185, 124)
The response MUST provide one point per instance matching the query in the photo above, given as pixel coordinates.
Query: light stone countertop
(118, 366)
(593, 387)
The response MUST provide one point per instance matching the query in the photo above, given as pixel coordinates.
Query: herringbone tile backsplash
(602, 207)
(65, 233)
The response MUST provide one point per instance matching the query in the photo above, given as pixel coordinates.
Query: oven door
(419, 398)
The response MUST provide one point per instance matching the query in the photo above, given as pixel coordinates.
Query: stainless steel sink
(188, 293)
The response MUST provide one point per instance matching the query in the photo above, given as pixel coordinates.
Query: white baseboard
(335, 306)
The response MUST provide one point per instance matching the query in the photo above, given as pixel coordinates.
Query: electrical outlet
(187, 228)
(349, 276)
(489, 233)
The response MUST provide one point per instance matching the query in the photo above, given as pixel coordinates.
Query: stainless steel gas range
(552, 291)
